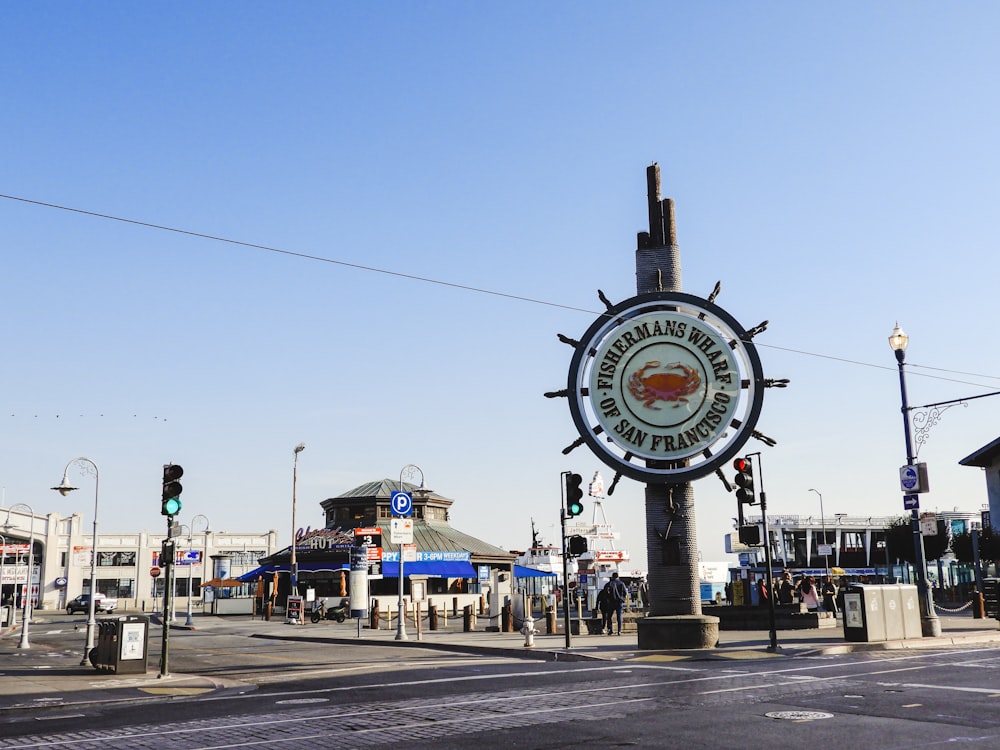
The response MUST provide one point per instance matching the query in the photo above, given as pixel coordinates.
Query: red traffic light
(744, 481)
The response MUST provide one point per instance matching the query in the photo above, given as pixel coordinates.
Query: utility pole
(167, 563)
(565, 557)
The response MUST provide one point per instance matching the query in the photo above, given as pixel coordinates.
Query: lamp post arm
(955, 401)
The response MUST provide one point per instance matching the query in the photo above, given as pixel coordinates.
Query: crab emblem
(663, 386)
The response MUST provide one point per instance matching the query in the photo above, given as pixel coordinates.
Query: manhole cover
(798, 715)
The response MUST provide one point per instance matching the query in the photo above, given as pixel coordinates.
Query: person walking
(786, 589)
(828, 590)
(619, 595)
(606, 607)
(808, 594)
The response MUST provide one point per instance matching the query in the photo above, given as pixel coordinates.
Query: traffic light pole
(565, 558)
(167, 562)
(768, 562)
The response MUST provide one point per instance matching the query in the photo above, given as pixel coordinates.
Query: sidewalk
(42, 677)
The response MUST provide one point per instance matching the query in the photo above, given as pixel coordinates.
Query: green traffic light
(172, 506)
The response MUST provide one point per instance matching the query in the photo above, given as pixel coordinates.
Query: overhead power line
(454, 285)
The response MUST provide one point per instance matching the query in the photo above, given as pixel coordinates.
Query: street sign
(409, 552)
(154, 572)
(928, 524)
(913, 478)
(401, 530)
(401, 503)
(911, 501)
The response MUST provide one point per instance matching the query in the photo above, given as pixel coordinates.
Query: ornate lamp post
(190, 620)
(401, 619)
(64, 488)
(3, 561)
(294, 565)
(26, 599)
(930, 626)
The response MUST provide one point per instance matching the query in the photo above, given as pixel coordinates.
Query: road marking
(957, 689)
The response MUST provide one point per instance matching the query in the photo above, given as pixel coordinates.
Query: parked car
(82, 604)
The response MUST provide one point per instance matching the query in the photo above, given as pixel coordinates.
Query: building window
(116, 559)
(115, 588)
(246, 557)
(852, 541)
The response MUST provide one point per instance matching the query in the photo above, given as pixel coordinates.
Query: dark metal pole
(565, 558)
(768, 562)
(930, 625)
(168, 578)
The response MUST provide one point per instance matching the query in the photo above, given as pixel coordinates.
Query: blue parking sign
(401, 503)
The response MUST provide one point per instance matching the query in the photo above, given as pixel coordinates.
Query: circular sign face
(401, 503)
(154, 572)
(665, 387)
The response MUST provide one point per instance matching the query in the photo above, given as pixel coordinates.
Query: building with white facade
(126, 562)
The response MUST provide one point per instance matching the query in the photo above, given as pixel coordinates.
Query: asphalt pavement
(42, 676)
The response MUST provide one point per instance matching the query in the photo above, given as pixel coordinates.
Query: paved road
(276, 685)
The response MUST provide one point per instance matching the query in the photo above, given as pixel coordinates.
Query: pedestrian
(808, 593)
(606, 607)
(619, 595)
(762, 592)
(828, 591)
(786, 589)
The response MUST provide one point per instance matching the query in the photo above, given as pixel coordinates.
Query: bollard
(418, 618)
(468, 625)
(506, 619)
(978, 606)
(550, 622)
(373, 619)
(482, 604)
(454, 606)
(432, 616)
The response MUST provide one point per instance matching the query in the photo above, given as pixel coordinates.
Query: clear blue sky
(836, 167)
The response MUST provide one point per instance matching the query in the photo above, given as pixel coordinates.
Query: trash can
(991, 597)
(881, 613)
(122, 645)
(910, 606)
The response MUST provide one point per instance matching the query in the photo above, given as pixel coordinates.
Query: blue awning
(433, 568)
(520, 571)
(308, 567)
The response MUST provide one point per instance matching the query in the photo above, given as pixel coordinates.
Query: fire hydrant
(528, 630)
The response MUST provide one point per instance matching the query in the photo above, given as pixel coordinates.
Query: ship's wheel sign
(665, 387)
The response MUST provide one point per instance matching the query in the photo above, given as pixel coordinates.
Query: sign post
(401, 504)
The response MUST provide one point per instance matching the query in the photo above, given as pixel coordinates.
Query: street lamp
(930, 626)
(293, 589)
(3, 567)
(64, 488)
(822, 520)
(26, 599)
(401, 617)
(190, 562)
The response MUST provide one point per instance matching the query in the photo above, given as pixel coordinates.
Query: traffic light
(750, 535)
(577, 545)
(574, 495)
(171, 490)
(744, 481)
(167, 553)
